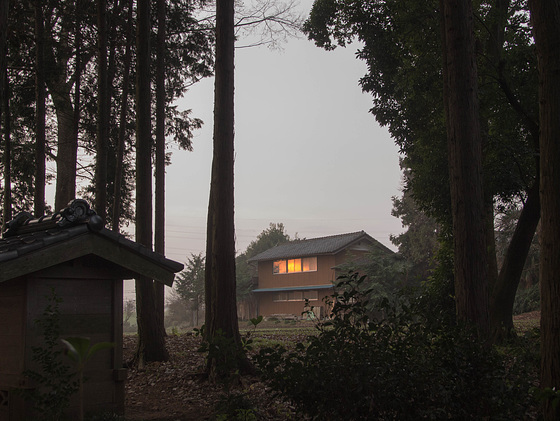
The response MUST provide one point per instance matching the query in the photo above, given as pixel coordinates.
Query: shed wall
(90, 307)
(12, 344)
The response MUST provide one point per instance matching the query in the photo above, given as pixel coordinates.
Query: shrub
(407, 366)
(527, 299)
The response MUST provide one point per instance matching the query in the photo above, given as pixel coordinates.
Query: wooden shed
(72, 254)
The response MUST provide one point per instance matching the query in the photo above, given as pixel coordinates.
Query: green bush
(407, 366)
(526, 300)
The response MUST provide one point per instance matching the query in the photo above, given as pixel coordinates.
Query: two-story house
(292, 272)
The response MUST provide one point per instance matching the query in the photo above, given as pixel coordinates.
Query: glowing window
(307, 264)
(279, 266)
(294, 265)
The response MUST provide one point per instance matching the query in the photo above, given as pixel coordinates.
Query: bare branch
(262, 22)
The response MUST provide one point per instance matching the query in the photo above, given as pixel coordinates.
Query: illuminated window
(294, 265)
(307, 264)
(279, 266)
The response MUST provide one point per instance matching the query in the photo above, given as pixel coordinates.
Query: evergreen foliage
(189, 288)
(273, 236)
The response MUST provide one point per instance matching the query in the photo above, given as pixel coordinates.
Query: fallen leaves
(176, 391)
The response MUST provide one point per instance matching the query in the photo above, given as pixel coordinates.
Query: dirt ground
(174, 390)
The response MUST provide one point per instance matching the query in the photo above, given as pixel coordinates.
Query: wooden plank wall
(12, 325)
(12, 311)
(89, 308)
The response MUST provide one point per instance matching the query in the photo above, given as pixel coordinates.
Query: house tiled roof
(315, 246)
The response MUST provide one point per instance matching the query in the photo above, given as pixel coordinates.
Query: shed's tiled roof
(58, 239)
(315, 246)
(20, 245)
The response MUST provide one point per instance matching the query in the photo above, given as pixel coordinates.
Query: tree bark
(4, 106)
(545, 17)
(67, 142)
(220, 284)
(151, 340)
(465, 164)
(40, 136)
(503, 292)
(7, 202)
(77, 76)
(117, 196)
(102, 113)
(160, 156)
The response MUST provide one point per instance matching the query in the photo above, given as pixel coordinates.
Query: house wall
(324, 275)
(268, 307)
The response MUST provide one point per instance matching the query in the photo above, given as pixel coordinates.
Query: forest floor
(175, 390)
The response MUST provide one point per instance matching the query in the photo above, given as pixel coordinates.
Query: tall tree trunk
(221, 312)
(7, 203)
(493, 44)
(40, 137)
(465, 164)
(77, 73)
(103, 113)
(503, 292)
(117, 196)
(151, 340)
(545, 17)
(67, 153)
(60, 89)
(160, 156)
(7, 200)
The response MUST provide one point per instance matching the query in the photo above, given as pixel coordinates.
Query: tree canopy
(272, 236)
(401, 43)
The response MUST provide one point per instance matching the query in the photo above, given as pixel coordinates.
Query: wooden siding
(89, 308)
(267, 305)
(12, 325)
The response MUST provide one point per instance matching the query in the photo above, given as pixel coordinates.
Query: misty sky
(308, 153)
